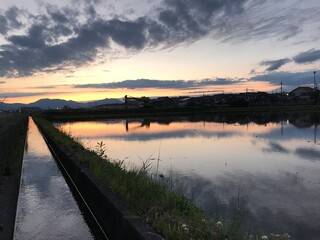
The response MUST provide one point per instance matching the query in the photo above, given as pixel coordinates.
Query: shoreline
(92, 114)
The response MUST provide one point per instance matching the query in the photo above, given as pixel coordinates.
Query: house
(302, 91)
(164, 102)
(302, 95)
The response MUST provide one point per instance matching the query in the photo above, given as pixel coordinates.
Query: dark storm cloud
(9, 20)
(34, 39)
(287, 78)
(126, 33)
(141, 83)
(78, 35)
(3, 25)
(220, 81)
(189, 20)
(307, 57)
(163, 84)
(57, 15)
(274, 64)
(40, 48)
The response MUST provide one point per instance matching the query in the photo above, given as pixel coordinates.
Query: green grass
(12, 134)
(4, 120)
(168, 212)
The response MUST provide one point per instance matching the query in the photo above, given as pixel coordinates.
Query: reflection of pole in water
(281, 127)
(315, 129)
(158, 160)
(26, 146)
(127, 125)
(315, 132)
(316, 118)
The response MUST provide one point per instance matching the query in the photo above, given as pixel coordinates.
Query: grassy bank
(168, 212)
(13, 130)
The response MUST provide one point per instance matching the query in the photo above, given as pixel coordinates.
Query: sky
(86, 50)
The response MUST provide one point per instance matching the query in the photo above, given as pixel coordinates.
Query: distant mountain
(47, 103)
(104, 102)
(55, 104)
(12, 106)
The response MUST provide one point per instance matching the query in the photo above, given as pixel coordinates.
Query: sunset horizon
(101, 50)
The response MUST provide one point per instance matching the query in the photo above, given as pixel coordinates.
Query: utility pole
(281, 88)
(315, 87)
(2, 102)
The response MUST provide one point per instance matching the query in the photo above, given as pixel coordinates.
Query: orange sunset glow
(86, 57)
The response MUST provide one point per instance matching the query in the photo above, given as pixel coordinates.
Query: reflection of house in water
(304, 120)
(302, 94)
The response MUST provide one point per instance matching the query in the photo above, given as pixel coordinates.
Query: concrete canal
(47, 206)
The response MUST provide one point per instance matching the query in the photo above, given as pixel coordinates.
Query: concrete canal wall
(114, 217)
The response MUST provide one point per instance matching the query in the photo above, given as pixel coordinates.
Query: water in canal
(266, 164)
(46, 207)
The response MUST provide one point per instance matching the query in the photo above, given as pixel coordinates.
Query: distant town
(299, 96)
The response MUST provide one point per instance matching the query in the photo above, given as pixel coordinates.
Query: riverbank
(13, 129)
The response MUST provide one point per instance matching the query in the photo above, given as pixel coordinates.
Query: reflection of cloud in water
(171, 135)
(308, 154)
(46, 207)
(47, 172)
(275, 147)
(278, 204)
(289, 132)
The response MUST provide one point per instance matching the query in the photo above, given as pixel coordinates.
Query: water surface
(267, 165)
(46, 207)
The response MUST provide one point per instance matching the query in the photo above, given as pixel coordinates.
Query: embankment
(86, 114)
(13, 129)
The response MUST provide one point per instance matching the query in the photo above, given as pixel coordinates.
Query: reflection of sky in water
(275, 165)
(46, 207)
